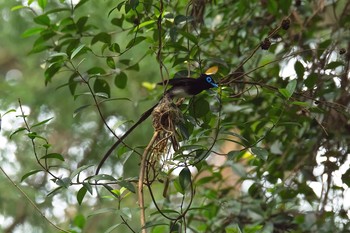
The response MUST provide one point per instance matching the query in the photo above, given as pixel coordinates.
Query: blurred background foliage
(268, 151)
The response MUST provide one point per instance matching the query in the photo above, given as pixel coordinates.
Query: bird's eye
(211, 81)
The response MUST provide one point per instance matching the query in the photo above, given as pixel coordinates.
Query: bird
(180, 87)
(188, 87)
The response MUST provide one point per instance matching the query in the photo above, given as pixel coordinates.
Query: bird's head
(208, 80)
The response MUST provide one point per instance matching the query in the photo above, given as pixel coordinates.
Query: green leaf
(56, 10)
(42, 3)
(135, 67)
(103, 177)
(110, 62)
(299, 69)
(178, 187)
(33, 135)
(200, 108)
(116, 192)
(189, 36)
(81, 23)
(96, 71)
(204, 180)
(233, 229)
(78, 170)
(125, 61)
(127, 185)
(54, 191)
(79, 221)
(235, 154)
(288, 193)
(255, 228)
(333, 65)
(101, 86)
(17, 131)
(154, 224)
(111, 190)
(113, 9)
(239, 169)
(58, 55)
(311, 80)
(299, 103)
(114, 48)
(67, 25)
(146, 23)
(32, 172)
(39, 48)
(260, 152)
(81, 2)
(72, 83)
(185, 178)
(64, 182)
(135, 41)
(121, 80)
(47, 146)
(285, 6)
(88, 187)
(15, 8)
(81, 194)
(102, 37)
(110, 229)
(289, 90)
(291, 86)
(41, 123)
(118, 21)
(102, 95)
(103, 211)
(81, 108)
(346, 177)
(7, 112)
(32, 31)
(53, 156)
(77, 50)
(42, 20)
(272, 6)
(133, 4)
(51, 71)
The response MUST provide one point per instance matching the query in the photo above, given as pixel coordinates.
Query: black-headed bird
(180, 87)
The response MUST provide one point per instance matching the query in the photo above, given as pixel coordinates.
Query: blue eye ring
(211, 81)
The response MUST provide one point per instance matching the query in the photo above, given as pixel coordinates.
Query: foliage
(280, 116)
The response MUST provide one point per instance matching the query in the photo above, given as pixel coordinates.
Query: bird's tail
(143, 117)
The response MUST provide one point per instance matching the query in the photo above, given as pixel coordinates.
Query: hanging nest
(165, 118)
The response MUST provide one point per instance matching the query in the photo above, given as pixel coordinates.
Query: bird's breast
(180, 91)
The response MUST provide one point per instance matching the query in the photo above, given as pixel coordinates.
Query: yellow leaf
(247, 155)
(149, 86)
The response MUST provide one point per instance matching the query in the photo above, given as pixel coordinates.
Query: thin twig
(45, 167)
(31, 202)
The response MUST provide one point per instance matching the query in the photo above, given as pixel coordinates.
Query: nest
(166, 115)
(165, 118)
